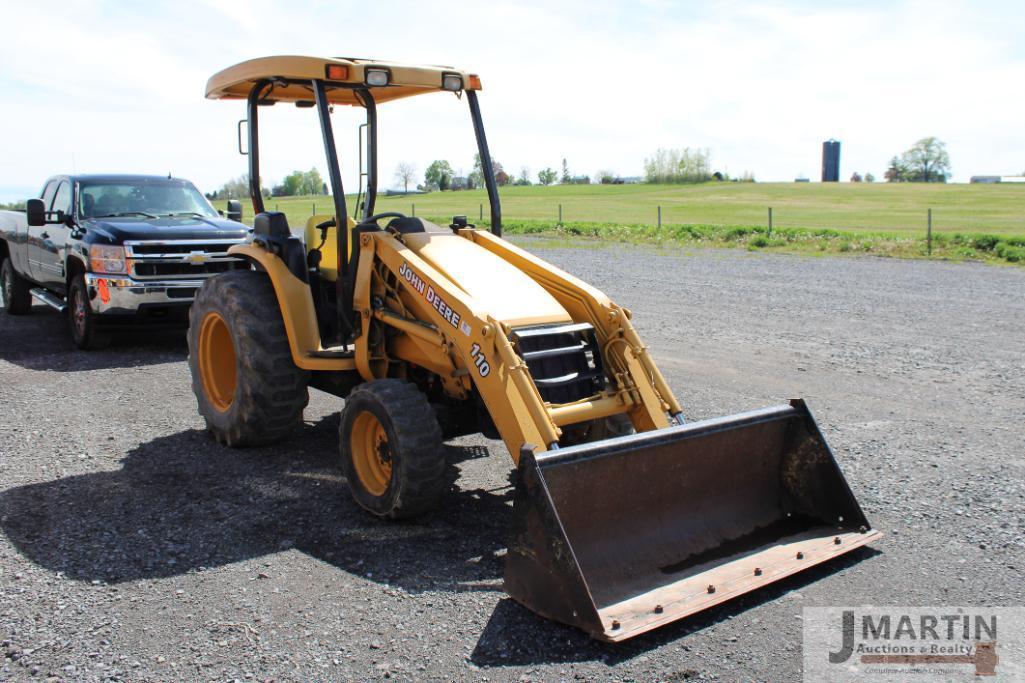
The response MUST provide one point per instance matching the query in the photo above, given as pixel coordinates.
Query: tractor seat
(328, 252)
(271, 228)
(407, 225)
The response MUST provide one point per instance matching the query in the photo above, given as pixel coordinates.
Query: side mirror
(35, 210)
(234, 210)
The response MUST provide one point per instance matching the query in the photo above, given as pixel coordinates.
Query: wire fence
(557, 214)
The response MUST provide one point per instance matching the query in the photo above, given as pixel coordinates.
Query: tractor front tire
(248, 388)
(390, 445)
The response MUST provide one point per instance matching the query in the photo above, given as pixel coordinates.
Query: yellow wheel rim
(371, 453)
(217, 361)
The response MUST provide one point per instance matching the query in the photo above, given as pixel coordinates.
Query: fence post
(414, 210)
(660, 217)
(275, 206)
(314, 209)
(770, 221)
(481, 213)
(560, 214)
(928, 234)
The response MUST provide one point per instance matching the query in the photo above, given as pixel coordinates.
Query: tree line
(295, 184)
(927, 161)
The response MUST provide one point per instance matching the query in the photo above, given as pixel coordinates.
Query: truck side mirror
(234, 210)
(35, 210)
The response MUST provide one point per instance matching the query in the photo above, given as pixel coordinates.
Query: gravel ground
(135, 548)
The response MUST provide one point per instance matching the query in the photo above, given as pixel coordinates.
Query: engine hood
(118, 230)
(498, 287)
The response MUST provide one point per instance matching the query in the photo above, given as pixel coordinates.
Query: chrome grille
(185, 259)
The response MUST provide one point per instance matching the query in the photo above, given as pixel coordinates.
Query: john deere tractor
(626, 517)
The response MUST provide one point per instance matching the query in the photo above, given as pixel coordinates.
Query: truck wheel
(390, 444)
(14, 290)
(248, 388)
(81, 318)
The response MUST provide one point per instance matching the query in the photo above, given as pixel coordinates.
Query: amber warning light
(337, 72)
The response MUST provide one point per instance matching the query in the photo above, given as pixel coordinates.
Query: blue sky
(118, 86)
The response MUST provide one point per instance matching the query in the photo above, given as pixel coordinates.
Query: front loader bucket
(621, 536)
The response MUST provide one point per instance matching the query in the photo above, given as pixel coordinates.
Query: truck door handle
(45, 235)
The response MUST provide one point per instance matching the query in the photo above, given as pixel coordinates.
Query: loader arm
(447, 330)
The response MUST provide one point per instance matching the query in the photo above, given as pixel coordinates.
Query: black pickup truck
(114, 251)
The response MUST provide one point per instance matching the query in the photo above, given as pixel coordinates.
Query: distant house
(633, 180)
(459, 183)
(992, 179)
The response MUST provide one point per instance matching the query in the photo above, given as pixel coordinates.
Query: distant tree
(678, 166)
(404, 173)
(300, 183)
(312, 183)
(502, 178)
(566, 177)
(438, 175)
(606, 177)
(236, 188)
(292, 184)
(546, 176)
(927, 161)
(855, 177)
(869, 178)
(476, 178)
(896, 171)
(524, 178)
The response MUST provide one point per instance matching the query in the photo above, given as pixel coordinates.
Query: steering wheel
(378, 216)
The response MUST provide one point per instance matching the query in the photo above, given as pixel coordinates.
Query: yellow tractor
(625, 516)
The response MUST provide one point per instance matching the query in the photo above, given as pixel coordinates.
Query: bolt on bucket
(625, 535)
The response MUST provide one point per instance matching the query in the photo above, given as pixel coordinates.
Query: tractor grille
(185, 259)
(564, 360)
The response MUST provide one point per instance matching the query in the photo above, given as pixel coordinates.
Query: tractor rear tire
(248, 388)
(15, 295)
(390, 445)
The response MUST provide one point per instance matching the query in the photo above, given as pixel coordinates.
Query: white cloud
(108, 86)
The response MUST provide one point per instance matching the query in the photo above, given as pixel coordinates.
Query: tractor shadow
(182, 502)
(41, 341)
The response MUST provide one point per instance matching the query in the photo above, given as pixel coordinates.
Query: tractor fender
(296, 305)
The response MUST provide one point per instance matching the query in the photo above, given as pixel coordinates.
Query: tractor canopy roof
(291, 76)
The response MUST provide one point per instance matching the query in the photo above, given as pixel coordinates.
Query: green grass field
(858, 207)
(969, 221)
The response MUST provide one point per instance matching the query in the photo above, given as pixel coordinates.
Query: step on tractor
(625, 517)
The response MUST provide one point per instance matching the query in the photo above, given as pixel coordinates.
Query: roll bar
(320, 87)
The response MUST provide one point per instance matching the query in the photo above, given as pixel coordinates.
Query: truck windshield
(142, 197)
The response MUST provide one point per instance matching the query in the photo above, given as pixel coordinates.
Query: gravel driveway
(132, 547)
